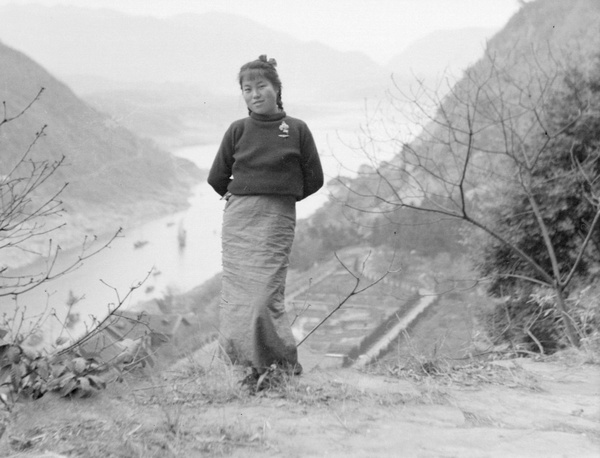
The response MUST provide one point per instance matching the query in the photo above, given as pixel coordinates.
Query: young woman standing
(266, 163)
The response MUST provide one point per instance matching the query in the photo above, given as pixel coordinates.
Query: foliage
(78, 376)
(340, 224)
(585, 309)
(325, 232)
(526, 322)
(24, 373)
(566, 186)
(73, 372)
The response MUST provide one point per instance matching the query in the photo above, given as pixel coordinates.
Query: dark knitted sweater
(267, 154)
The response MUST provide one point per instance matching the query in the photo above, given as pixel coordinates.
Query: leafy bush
(565, 186)
(528, 321)
(79, 370)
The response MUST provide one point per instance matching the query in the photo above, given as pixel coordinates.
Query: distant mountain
(113, 175)
(440, 51)
(202, 49)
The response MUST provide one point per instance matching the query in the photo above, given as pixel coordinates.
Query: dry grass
(433, 370)
(193, 410)
(145, 416)
(589, 353)
(463, 373)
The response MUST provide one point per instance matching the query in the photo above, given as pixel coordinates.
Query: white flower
(285, 129)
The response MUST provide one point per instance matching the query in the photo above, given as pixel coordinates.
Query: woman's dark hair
(267, 68)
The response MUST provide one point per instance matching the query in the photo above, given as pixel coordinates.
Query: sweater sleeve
(311, 164)
(219, 176)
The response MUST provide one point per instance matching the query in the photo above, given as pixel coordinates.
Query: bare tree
(488, 140)
(29, 207)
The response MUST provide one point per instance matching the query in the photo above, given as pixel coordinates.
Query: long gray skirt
(258, 232)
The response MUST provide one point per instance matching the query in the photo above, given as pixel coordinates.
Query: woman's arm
(311, 164)
(219, 176)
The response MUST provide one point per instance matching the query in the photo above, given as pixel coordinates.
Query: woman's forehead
(252, 76)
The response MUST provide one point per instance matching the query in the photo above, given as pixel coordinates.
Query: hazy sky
(380, 28)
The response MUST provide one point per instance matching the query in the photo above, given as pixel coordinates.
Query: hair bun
(263, 58)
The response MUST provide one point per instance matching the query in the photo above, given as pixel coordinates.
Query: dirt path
(496, 409)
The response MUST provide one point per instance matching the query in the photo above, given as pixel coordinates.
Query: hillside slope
(520, 62)
(113, 175)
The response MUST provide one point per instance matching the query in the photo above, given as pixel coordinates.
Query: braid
(266, 68)
(279, 101)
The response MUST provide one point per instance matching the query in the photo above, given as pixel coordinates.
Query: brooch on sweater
(284, 128)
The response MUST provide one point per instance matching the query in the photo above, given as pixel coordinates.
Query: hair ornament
(263, 58)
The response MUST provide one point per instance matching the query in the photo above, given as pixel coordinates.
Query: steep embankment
(113, 175)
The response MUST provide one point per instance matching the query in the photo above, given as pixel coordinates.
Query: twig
(305, 305)
(534, 338)
(101, 323)
(22, 112)
(354, 292)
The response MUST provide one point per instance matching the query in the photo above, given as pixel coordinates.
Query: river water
(150, 253)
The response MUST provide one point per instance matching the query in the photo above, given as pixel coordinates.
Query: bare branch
(100, 324)
(355, 291)
(7, 119)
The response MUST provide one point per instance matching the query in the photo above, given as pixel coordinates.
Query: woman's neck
(268, 117)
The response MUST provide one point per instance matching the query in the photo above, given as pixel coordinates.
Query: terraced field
(364, 317)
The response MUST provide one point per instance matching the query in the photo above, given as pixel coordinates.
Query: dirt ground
(516, 407)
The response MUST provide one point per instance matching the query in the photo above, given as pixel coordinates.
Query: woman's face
(259, 94)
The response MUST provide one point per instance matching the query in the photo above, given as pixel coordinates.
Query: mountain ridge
(450, 50)
(179, 49)
(194, 48)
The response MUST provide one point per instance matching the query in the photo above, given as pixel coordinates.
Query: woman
(266, 163)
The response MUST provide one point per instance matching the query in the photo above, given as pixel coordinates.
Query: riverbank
(80, 225)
